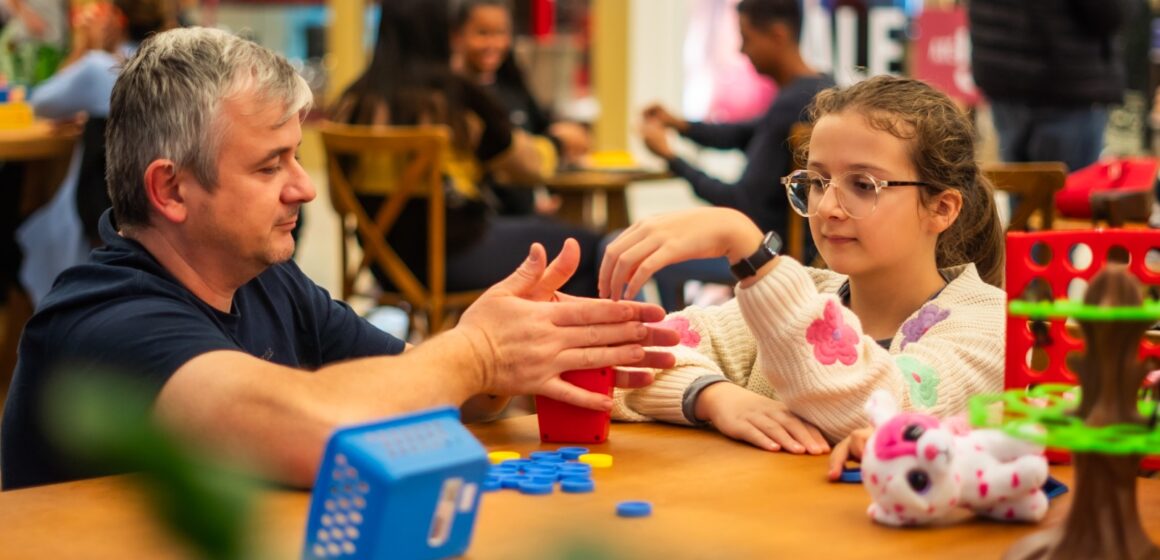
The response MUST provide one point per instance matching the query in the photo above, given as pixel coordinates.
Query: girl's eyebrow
(869, 167)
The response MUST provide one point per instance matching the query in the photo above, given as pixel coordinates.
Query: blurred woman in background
(410, 82)
(481, 40)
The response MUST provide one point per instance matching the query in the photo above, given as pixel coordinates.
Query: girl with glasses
(907, 225)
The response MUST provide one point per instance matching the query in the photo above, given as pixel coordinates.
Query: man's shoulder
(797, 95)
(125, 294)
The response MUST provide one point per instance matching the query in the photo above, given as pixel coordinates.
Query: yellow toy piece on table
(15, 115)
(597, 460)
(611, 160)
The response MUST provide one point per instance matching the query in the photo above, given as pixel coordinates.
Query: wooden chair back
(421, 152)
(1035, 185)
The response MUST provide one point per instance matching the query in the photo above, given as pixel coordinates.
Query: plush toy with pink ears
(918, 469)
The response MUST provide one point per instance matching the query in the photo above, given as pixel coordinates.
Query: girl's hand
(744, 415)
(848, 449)
(654, 243)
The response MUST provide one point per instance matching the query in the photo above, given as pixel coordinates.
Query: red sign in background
(942, 53)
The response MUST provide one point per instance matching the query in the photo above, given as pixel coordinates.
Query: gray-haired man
(195, 296)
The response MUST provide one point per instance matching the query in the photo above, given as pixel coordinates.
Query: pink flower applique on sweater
(832, 338)
(689, 337)
(927, 317)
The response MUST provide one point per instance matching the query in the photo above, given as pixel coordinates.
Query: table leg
(572, 206)
(617, 217)
(17, 313)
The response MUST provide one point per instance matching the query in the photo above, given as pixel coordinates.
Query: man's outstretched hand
(526, 333)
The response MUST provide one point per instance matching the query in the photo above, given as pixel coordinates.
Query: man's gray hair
(167, 101)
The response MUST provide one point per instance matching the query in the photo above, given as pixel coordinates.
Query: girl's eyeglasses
(857, 191)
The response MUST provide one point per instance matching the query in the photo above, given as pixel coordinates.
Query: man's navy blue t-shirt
(123, 312)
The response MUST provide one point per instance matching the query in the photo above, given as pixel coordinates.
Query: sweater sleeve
(814, 353)
(714, 341)
(84, 86)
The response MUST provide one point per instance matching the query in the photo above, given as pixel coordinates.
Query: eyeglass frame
(879, 184)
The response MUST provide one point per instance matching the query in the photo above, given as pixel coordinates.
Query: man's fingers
(632, 378)
(598, 357)
(838, 459)
(563, 391)
(658, 336)
(559, 271)
(656, 360)
(573, 313)
(525, 278)
(604, 335)
(646, 312)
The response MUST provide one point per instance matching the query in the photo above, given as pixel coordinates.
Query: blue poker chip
(516, 463)
(1054, 488)
(492, 484)
(513, 481)
(577, 485)
(535, 488)
(575, 468)
(547, 457)
(850, 475)
(634, 509)
(543, 479)
(541, 468)
(502, 471)
(580, 477)
(572, 453)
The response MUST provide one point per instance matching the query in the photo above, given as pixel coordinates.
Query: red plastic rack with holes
(1042, 265)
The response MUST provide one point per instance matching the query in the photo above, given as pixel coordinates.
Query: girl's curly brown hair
(942, 147)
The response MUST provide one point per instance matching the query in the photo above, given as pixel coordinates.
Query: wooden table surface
(42, 140)
(589, 179)
(712, 498)
(596, 197)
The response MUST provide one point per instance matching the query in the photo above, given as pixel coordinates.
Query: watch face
(773, 242)
(769, 249)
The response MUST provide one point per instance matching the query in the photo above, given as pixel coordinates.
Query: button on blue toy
(406, 487)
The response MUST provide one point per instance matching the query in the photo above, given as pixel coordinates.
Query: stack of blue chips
(539, 474)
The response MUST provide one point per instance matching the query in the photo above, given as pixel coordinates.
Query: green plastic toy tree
(1104, 521)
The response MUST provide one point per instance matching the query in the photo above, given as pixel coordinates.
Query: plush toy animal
(918, 469)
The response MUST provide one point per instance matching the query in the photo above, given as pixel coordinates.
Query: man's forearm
(445, 370)
(278, 419)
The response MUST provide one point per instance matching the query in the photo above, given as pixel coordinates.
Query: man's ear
(944, 209)
(163, 188)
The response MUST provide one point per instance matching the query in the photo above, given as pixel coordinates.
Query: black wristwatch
(770, 248)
